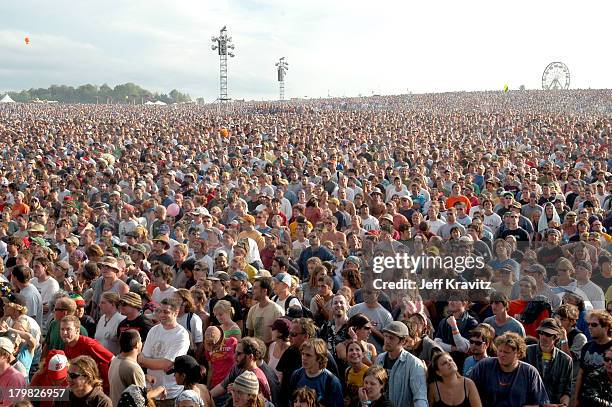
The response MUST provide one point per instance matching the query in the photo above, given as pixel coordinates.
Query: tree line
(126, 93)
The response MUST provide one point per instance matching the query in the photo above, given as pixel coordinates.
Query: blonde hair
(225, 307)
(514, 341)
(377, 372)
(88, 368)
(111, 297)
(183, 248)
(319, 347)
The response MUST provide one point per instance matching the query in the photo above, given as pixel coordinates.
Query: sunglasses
(477, 343)
(593, 324)
(74, 375)
(607, 359)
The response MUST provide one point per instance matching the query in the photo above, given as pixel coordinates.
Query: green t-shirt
(53, 338)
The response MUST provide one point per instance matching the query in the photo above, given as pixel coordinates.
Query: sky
(333, 47)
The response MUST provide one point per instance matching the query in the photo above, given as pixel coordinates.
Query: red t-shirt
(222, 360)
(41, 379)
(517, 307)
(264, 386)
(90, 347)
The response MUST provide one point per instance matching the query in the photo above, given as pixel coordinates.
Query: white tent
(7, 99)
(160, 103)
(149, 103)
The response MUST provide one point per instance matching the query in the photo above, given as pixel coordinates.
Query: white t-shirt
(47, 289)
(159, 295)
(293, 303)
(434, 225)
(106, 332)
(371, 223)
(196, 333)
(595, 294)
(493, 221)
(167, 344)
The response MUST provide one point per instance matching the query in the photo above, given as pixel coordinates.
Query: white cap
(7, 345)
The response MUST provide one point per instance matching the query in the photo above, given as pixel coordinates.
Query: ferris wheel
(556, 76)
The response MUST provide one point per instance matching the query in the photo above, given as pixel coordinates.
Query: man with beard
(264, 313)
(247, 354)
(406, 372)
(335, 331)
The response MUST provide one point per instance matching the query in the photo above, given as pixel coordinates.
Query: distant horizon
(5, 92)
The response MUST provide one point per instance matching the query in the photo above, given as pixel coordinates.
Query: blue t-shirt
(511, 325)
(469, 365)
(515, 389)
(326, 385)
(25, 357)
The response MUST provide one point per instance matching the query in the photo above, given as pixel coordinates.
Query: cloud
(340, 47)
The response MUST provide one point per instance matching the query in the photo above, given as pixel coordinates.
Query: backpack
(190, 352)
(306, 313)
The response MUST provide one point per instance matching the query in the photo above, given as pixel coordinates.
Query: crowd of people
(193, 256)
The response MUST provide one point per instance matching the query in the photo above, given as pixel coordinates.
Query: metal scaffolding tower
(223, 43)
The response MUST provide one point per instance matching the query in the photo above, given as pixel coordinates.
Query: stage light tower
(223, 43)
(281, 68)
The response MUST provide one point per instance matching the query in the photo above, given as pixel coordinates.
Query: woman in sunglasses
(359, 329)
(85, 384)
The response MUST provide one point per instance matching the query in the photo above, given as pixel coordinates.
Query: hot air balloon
(27, 40)
(506, 87)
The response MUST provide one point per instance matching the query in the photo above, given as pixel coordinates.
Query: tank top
(273, 361)
(233, 331)
(464, 403)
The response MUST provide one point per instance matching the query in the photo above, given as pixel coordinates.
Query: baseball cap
(397, 328)
(220, 276)
(140, 248)
(466, 239)
(283, 278)
(248, 218)
(57, 365)
(549, 326)
(163, 229)
(73, 240)
(132, 233)
(240, 276)
(536, 268)
(388, 217)
(185, 364)
(7, 345)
